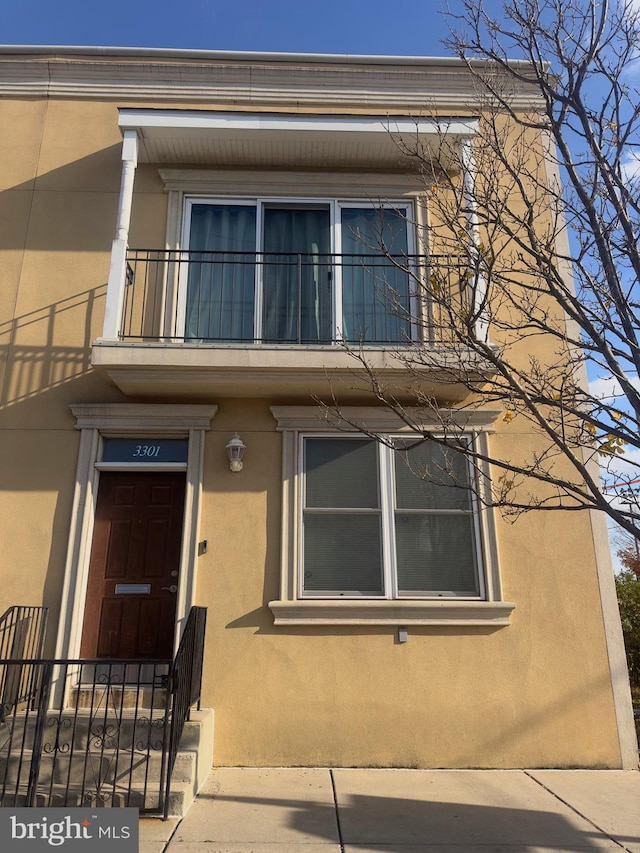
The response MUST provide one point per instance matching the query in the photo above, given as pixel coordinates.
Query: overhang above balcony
(200, 137)
(175, 370)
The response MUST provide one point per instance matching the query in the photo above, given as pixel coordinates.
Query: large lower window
(386, 531)
(387, 519)
(306, 272)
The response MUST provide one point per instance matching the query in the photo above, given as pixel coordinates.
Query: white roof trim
(281, 140)
(133, 119)
(164, 53)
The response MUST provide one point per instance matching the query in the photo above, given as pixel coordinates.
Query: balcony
(264, 324)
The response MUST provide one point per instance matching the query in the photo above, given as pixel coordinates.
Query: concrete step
(180, 798)
(197, 737)
(101, 767)
(90, 760)
(93, 696)
(62, 728)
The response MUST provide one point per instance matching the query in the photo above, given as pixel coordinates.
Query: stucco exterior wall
(460, 697)
(60, 177)
(535, 693)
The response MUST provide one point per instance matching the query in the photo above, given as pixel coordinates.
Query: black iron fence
(239, 297)
(22, 632)
(98, 732)
(22, 636)
(186, 683)
(93, 733)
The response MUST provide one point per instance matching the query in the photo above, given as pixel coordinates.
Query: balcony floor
(188, 370)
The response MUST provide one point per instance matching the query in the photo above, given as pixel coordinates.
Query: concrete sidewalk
(256, 810)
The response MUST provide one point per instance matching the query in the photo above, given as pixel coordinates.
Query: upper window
(387, 519)
(305, 272)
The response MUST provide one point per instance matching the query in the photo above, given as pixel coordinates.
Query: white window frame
(183, 277)
(386, 510)
(409, 213)
(296, 608)
(335, 207)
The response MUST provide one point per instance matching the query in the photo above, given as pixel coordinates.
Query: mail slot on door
(133, 588)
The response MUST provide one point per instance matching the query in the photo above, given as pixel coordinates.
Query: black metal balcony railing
(227, 297)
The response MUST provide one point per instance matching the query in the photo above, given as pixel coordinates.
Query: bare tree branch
(554, 269)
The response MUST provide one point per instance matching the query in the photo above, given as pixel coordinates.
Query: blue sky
(411, 27)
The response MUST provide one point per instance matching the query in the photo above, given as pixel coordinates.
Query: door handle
(172, 588)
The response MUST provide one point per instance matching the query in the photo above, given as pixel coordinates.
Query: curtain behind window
(429, 507)
(296, 275)
(342, 526)
(434, 527)
(221, 283)
(375, 294)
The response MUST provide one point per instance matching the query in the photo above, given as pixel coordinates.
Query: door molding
(95, 420)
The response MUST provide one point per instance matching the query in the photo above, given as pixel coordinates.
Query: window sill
(399, 613)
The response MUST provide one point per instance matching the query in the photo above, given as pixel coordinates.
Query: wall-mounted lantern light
(235, 451)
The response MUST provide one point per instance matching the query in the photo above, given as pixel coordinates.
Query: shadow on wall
(69, 209)
(34, 368)
(31, 369)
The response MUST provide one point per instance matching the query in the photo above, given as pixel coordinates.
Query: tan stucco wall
(536, 693)
(58, 200)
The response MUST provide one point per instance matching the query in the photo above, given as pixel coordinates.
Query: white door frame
(95, 420)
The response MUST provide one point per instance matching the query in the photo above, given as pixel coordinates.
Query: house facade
(191, 256)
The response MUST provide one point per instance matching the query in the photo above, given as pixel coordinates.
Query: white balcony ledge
(152, 369)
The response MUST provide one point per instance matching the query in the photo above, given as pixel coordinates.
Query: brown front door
(130, 609)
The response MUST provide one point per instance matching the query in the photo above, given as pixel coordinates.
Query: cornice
(128, 416)
(336, 83)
